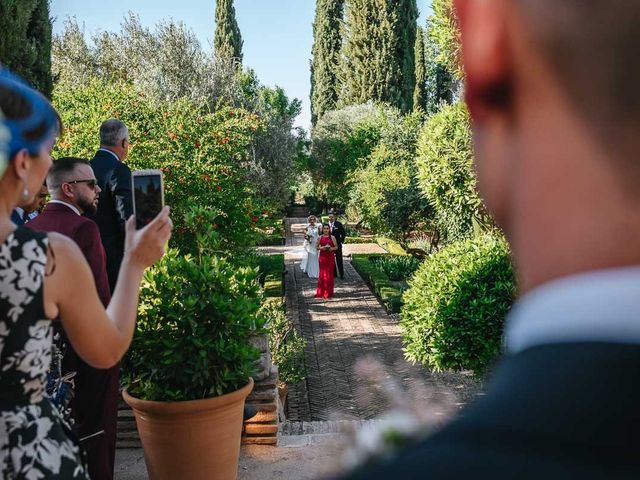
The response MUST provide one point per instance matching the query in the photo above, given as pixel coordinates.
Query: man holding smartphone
(116, 203)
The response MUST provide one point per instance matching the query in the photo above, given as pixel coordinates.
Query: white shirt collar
(112, 153)
(62, 202)
(599, 306)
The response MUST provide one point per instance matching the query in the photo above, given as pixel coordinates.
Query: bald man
(552, 87)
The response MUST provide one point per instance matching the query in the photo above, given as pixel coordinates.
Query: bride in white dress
(309, 263)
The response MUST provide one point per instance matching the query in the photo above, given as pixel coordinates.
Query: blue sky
(277, 34)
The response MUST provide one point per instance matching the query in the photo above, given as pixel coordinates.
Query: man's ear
(66, 190)
(485, 54)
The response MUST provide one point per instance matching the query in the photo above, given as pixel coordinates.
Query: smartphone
(148, 195)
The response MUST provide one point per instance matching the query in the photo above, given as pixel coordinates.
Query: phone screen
(147, 197)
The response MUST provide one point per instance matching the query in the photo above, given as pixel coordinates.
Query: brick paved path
(341, 330)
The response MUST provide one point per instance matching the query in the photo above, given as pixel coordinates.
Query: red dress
(327, 263)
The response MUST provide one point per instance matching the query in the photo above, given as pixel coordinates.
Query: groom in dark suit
(552, 89)
(116, 202)
(338, 231)
(95, 406)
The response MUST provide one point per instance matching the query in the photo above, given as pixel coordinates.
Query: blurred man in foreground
(552, 90)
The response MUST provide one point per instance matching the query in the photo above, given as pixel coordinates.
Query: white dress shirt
(600, 306)
(62, 202)
(112, 153)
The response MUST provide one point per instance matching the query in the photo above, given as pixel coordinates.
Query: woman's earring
(25, 194)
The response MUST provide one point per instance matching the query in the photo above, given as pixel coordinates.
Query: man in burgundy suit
(74, 191)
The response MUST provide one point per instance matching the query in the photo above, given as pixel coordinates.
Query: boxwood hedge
(453, 312)
(389, 293)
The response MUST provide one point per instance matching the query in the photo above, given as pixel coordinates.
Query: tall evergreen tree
(420, 92)
(327, 41)
(440, 80)
(39, 36)
(25, 40)
(405, 33)
(227, 41)
(378, 57)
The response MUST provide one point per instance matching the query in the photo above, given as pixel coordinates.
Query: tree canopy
(327, 41)
(378, 56)
(25, 41)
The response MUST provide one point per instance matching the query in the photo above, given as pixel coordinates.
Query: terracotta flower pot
(191, 440)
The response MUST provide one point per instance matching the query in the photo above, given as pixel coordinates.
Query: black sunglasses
(91, 183)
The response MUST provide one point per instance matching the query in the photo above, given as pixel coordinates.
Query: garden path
(342, 330)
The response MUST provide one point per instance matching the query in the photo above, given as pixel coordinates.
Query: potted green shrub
(190, 363)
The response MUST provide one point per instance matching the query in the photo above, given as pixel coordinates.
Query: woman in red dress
(327, 245)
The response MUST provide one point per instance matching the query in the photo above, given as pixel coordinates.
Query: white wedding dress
(309, 263)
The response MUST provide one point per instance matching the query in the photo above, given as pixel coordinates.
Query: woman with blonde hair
(44, 277)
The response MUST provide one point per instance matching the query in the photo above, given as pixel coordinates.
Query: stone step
(322, 427)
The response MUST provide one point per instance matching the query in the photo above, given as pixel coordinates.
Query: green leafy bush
(341, 138)
(272, 240)
(391, 246)
(192, 335)
(384, 171)
(359, 240)
(454, 310)
(444, 32)
(271, 268)
(445, 172)
(397, 268)
(285, 343)
(200, 154)
(406, 210)
(389, 293)
(389, 168)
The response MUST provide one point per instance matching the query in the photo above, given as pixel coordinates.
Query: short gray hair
(113, 132)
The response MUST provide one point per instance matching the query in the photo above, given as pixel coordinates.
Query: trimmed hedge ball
(454, 310)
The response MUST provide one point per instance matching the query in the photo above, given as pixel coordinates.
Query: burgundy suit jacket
(61, 219)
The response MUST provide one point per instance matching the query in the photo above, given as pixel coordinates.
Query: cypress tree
(227, 41)
(378, 57)
(439, 80)
(16, 51)
(327, 41)
(420, 92)
(39, 36)
(405, 34)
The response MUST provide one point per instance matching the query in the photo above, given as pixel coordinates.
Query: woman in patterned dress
(45, 276)
(327, 246)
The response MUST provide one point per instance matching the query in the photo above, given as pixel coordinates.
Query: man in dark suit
(552, 89)
(338, 231)
(95, 406)
(116, 203)
(24, 213)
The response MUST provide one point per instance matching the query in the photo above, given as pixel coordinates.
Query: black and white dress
(34, 444)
